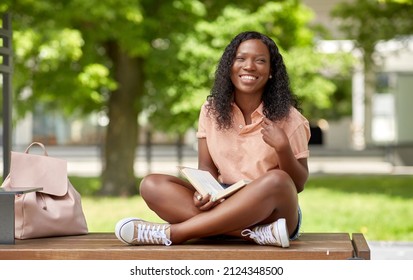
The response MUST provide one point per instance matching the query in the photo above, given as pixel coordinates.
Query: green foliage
(369, 22)
(174, 98)
(154, 58)
(317, 78)
(46, 71)
(61, 57)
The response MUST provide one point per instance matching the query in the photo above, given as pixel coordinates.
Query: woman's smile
(251, 67)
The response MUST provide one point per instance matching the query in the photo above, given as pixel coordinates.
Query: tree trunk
(118, 176)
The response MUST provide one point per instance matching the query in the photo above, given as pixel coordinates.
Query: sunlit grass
(381, 207)
(103, 213)
(377, 216)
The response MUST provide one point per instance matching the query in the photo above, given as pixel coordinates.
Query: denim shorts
(296, 232)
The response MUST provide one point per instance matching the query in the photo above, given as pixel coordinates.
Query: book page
(205, 183)
(204, 178)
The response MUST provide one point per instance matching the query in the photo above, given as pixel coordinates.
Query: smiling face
(251, 68)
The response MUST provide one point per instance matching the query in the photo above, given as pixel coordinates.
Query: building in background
(391, 104)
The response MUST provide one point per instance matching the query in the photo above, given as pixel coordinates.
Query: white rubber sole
(283, 232)
(122, 232)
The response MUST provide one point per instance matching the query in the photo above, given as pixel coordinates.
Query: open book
(205, 183)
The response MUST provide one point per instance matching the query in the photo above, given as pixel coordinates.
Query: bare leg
(263, 201)
(169, 197)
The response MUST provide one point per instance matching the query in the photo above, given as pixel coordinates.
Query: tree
(95, 59)
(369, 22)
(287, 22)
(157, 57)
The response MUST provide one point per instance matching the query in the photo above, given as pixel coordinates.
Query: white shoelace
(153, 235)
(262, 235)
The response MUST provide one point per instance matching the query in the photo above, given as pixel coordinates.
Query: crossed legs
(263, 201)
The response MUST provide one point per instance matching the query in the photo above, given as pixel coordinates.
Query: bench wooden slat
(105, 246)
(361, 248)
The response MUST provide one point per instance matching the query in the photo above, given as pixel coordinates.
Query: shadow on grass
(90, 186)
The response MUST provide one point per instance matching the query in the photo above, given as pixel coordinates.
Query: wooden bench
(105, 246)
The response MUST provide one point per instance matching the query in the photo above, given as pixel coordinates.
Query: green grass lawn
(381, 207)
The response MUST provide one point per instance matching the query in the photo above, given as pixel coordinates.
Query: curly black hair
(277, 96)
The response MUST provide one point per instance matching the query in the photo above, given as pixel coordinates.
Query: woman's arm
(205, 161)
(276, 138)
(296, 168)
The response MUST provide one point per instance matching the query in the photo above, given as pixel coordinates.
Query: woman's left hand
(204, 203)
(273, 135)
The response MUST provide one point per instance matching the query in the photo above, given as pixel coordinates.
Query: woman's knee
(279, 180)
(148, 185)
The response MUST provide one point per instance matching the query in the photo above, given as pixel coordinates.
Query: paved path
(391, 250)
(87, 161)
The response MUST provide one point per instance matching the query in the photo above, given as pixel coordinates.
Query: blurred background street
(87, 160)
